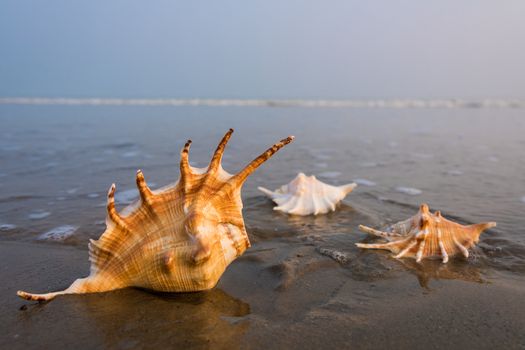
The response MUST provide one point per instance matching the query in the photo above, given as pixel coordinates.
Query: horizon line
(306, 103)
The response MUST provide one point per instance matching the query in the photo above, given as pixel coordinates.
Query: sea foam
(39, 215)
(59, 233)
(408, 190)
(7, 227)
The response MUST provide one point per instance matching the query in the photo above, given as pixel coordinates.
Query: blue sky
(262, 49)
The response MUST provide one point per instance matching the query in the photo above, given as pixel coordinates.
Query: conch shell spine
(178, 238)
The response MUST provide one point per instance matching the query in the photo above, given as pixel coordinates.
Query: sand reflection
(428, 270)
(134, 318)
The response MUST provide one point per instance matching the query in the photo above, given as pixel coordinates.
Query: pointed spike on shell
(184, 159)
(112, 211)
(144, 190)
(217, 156)
(37, 297)
(111, 192)
(424, 212)
(407, 249)
(372, 246)
(349, 187)
(444, 253)
(483, 226)
(478, 229)
(265, 191)
(113, 215)
(377, 233)
(240, 177)
(427, 229)
(110, 206)
(461, 248)
(424, 209)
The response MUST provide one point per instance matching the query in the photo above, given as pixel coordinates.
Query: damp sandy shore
(258, 304)
(303, 283)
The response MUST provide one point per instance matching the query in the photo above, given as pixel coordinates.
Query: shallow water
(57, 163)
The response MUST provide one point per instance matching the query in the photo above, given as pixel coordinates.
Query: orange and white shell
(179, 238)
(427, 235)
(305, 195)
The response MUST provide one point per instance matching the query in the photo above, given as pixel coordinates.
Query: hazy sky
(262, 49)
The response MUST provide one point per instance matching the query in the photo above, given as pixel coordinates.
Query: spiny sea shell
(179, 238)
(306, 195)
(427, 235)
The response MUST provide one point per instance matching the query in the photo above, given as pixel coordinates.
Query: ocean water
(57, 163)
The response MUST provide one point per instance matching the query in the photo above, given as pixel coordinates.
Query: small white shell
(306, 195)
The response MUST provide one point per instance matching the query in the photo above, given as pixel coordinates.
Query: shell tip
(488, 225)
(25, 295)
(186, 147)
(37, 297)
(112, 189)
(263, 189)
(424, 208)
(288, 139)
(483, 226)
(349, 187)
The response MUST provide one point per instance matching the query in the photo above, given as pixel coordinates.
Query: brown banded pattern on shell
(179, 238)
(427, 235)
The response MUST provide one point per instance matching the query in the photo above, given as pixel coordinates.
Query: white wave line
(372, 103)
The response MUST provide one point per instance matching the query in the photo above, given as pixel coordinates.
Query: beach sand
(266, 299)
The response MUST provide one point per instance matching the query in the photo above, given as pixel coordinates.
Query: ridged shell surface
(427, 235)
(305, 195)
(179, 238)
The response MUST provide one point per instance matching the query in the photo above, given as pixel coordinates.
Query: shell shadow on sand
(132, 318)
(428, 270)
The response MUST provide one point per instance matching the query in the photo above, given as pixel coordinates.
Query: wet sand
(287, 290)
(262, 301)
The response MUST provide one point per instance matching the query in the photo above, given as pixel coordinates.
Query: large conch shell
(179, 238)
(427, 235)
(305, 195)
